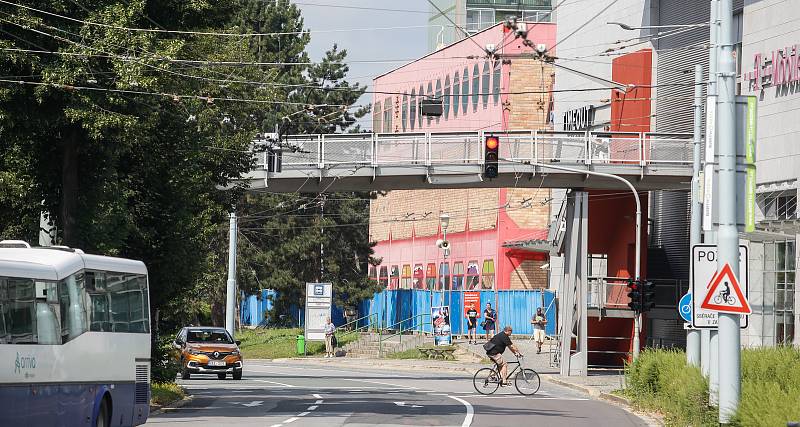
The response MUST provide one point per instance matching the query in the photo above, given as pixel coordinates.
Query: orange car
(207, 350)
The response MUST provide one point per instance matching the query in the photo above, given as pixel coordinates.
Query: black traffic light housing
(491, 155)
(648, 291)
(635, 295)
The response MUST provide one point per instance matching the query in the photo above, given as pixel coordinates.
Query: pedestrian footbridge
(397, 161)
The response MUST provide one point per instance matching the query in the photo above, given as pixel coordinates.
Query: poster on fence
(440, 317)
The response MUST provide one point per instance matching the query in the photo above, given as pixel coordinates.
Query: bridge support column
(574, 292)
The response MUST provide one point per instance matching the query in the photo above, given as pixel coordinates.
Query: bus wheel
(103, 415)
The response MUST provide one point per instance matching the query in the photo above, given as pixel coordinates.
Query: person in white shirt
(329, 330)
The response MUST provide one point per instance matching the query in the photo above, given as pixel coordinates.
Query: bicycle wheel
(527, 382)
(486, 381)
(717, 299)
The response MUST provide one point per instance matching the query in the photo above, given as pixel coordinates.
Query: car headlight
(193, 351)
(235, 352)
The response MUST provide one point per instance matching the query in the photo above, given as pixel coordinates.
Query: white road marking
(276, 425)
(275, 382)
(303, 414)
(318, 401)
(317, 396)
(403, 404)
(253, 403)
(291, 420)
(312, 407)
(470, 411)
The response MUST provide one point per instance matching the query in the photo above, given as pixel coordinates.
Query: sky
(322, 16)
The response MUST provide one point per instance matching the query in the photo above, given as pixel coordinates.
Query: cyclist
(495, 348)
(725, 293)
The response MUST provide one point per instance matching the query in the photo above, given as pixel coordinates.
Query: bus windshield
(219, 336)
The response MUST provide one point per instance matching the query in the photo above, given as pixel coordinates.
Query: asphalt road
(292, 394)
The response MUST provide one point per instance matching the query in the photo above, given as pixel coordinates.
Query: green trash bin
(301, 344)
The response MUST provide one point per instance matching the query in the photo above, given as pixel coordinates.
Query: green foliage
(770, 387)
(165, 393)
(661, 380)
(164, 366)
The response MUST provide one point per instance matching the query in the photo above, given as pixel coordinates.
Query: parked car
(208, 350)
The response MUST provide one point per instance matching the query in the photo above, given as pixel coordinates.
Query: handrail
(358, 320)
(381, 338)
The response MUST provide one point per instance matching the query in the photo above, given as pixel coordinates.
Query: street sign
(318, 309)
(725, 295)
(685, 307)
(704, 275)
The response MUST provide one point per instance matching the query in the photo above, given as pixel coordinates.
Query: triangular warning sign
(727, 298)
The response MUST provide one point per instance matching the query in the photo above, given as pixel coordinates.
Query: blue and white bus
(74, 338)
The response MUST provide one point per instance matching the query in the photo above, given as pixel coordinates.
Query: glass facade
(779, 272)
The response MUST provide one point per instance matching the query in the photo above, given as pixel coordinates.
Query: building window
(373, 273)
(405, 279)
(458, 276)
(780, 206)
(384, 277)
(779, 268)
(444, 277)
(446, 97)
(387, 115)
(430, 276)
(473, 276)
(412, 115)
(476, 86)
(485, 85)
(377, 117)
(419, 277)
(465, 91)
(438, 93)
(394, 278)
(478, 19)
(496, 83)
(429, 95)
(405, 111)
(456, 92)
(487, 277)
(419, 110)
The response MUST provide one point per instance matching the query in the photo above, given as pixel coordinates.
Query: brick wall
(529, 110)
(529, 275)
(529, 207)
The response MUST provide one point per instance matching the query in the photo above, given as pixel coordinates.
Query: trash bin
(301, 344)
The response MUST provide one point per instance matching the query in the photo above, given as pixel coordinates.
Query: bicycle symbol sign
(716, 290)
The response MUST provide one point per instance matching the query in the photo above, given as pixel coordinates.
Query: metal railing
(466, 148)
(403, 324)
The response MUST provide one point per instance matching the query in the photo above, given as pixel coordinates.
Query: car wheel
(221, 376)
(237, 375)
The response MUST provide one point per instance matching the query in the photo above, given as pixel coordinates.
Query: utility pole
(693, 335)
(230, 304)
(728, 235)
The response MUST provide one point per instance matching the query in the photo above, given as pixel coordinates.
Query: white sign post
(318, 308)
(704, 271)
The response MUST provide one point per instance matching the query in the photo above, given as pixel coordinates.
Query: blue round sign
(685, 307)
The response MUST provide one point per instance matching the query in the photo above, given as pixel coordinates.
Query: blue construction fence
(410, 309)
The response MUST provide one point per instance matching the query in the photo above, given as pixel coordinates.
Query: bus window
(72, 297)
(17, 311)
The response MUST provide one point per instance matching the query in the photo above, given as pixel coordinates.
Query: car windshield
(209, 336)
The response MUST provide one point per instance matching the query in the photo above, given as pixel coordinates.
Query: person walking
(495, 349)
(490, 317)
(329, 331)
(472, 324)
(538, 321)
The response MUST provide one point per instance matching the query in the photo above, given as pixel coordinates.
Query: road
(298, 394)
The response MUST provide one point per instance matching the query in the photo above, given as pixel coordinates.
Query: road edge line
(470, 411)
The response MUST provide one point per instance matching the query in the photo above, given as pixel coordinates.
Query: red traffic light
(492, 142)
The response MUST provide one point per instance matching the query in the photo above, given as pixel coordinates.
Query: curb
(170, 406)
(587, 390)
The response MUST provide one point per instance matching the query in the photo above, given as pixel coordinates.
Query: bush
(770, 387)
(165, 393)
(164, 366)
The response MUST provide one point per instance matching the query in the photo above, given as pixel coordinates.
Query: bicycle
(487, 380)
(730, 300)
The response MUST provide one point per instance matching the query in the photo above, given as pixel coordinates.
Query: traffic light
(491, 156)
(635, 295)
(648, 290)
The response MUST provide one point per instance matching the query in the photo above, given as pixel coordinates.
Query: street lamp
(444, 221)
(652, 27)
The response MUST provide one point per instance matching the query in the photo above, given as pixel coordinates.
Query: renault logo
(216, 355)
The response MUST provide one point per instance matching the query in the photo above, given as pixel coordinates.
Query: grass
(282, 343)
(660, 380)
(165, 393)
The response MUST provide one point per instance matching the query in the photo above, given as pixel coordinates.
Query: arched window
(438, 93)
(405, 111)
(419, 110)
(496, 82)
(487, 276)
(446, 99)
(485, 84)
(387, 115)
(428, 95)
(377, 118)
(465, 91)
(476, 86)
(412, 115)
(456, 92)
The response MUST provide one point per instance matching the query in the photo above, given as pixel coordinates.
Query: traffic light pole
(728, 235)
(637, 264)
(693, 335)
(230, 301)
